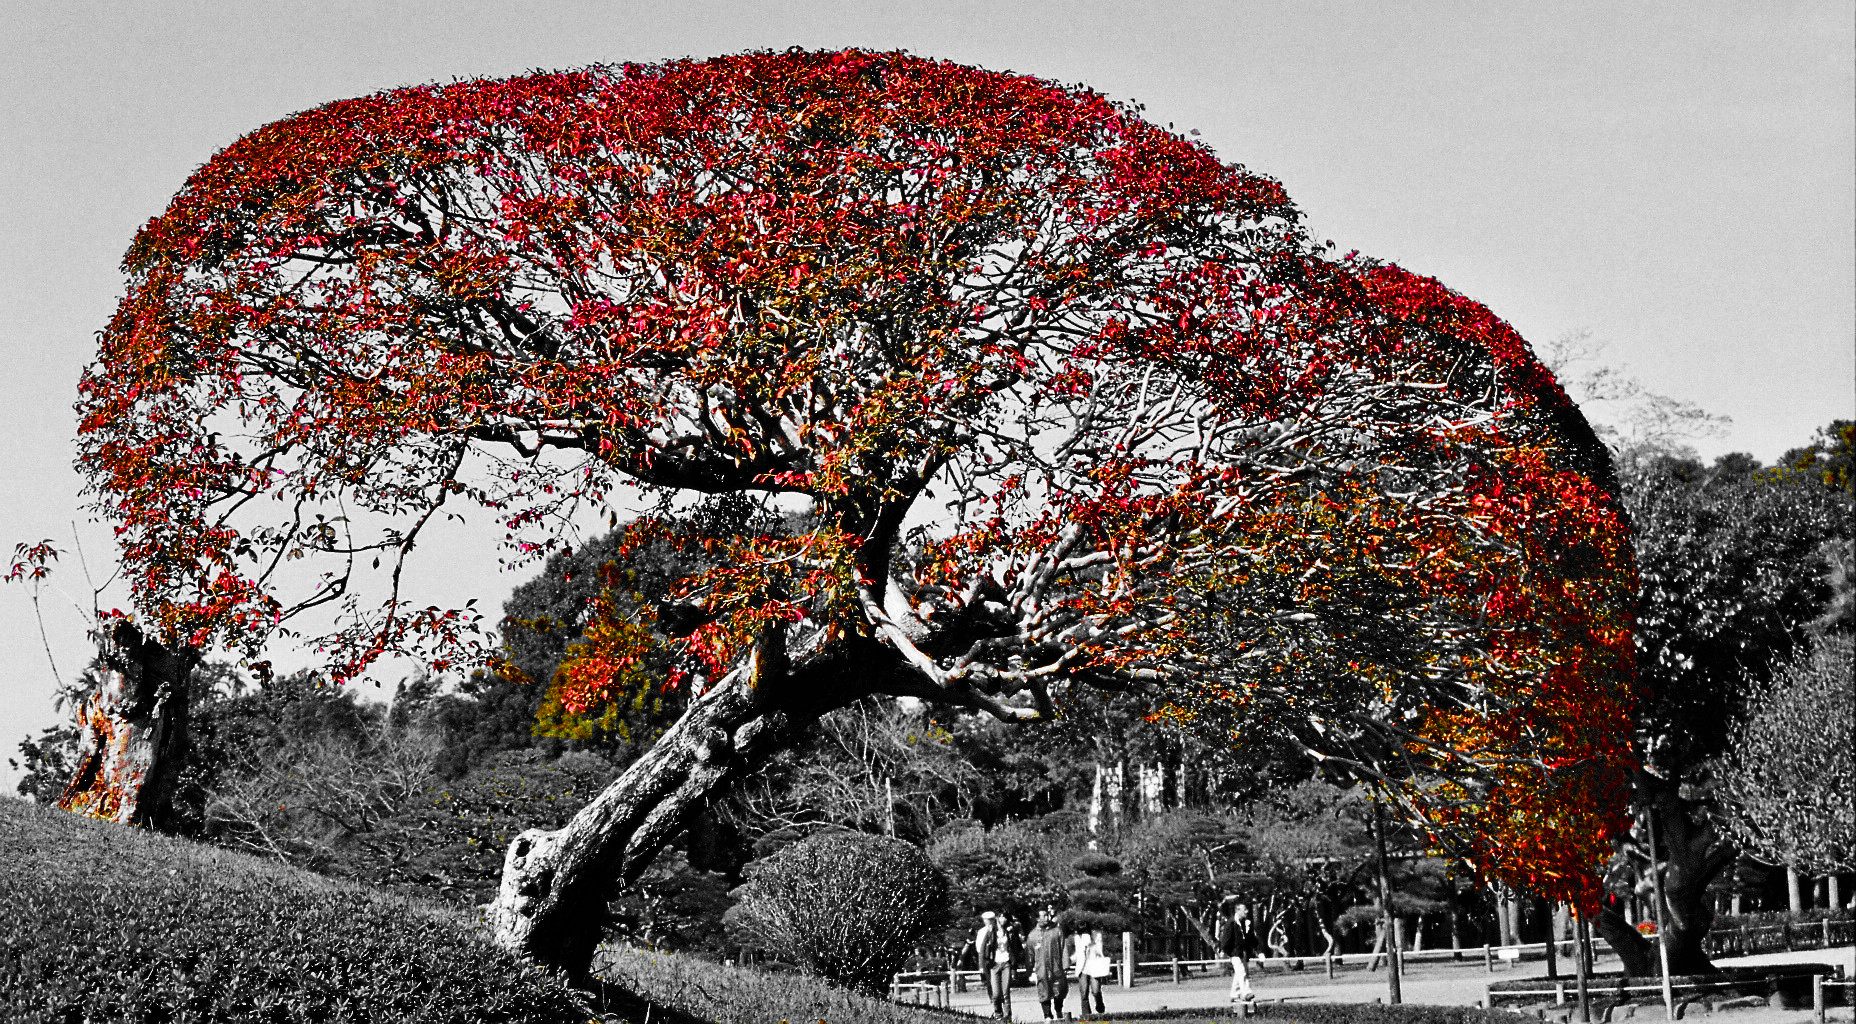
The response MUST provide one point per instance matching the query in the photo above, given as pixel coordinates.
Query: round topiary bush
(846, 906)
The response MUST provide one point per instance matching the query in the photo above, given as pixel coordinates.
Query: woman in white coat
(1091, 963)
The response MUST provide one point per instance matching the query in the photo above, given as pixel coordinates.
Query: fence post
(1817, 998)
(1127, 959)
(1788, 935)
(1176, 976)
(1328, 955)
(1826, 933)
(1488, 958)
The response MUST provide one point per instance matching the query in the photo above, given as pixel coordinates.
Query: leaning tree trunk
(133, 743)
(551, 906)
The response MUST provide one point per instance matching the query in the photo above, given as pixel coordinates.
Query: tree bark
(134, 733)
(1508, 912)
(551, 906)
(1636, 952)
(1692, 855)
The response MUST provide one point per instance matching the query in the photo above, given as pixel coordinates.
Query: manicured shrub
(843, 905)
(1098, 900)
(104, 922)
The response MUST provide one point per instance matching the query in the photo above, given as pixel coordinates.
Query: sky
(1676, 179)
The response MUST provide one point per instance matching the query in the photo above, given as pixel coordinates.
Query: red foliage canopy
(1072, 402)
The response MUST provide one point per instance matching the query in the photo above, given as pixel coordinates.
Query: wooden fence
(935, 988)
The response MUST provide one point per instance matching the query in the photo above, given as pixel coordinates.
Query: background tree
(1788, 779)
(1169, 446)
(1011, 869)
(846, 906)
(1627, 414)
(873, 767)
(1099, 897)
(1736, 566)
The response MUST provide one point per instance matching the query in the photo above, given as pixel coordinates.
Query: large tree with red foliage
(1071, 404)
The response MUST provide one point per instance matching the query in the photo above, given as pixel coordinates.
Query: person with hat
(994, 946)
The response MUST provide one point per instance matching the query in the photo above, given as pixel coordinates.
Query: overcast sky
(1675, 178)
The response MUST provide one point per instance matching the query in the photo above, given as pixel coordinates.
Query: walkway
(1446, 983)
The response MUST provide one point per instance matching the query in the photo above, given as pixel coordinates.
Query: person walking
(1237, 940)
(1048, 969)
(994, 946)
(1091, 967)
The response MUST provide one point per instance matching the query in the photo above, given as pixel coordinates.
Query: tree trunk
(134, 740)
(551, 906)
(1692, 854)
(1507, 911)
(1637, 952)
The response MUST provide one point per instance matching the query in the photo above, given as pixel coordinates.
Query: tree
(1734, 568)
(1069, 404)
(1828, 459)
(307, 797)
(1012, 869)
(1098, 899)
(1789, 776)
(846, 906)
(133, 731)
(1624, 411)
(871, 767)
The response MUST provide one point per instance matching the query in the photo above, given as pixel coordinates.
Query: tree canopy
(1069, 403)
(1739, 565)
(1789, 776)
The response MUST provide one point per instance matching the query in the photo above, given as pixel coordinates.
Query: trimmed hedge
(105, 922)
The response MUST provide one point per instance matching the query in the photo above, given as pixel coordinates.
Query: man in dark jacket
(1047, 964)
(1237, 939)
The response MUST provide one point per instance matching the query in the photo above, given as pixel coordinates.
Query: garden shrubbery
(847, 906)
(103, 922)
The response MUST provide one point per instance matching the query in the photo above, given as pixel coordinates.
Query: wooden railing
(1747, 940)
(935, 988)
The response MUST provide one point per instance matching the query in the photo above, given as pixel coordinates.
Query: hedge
(106, 922)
